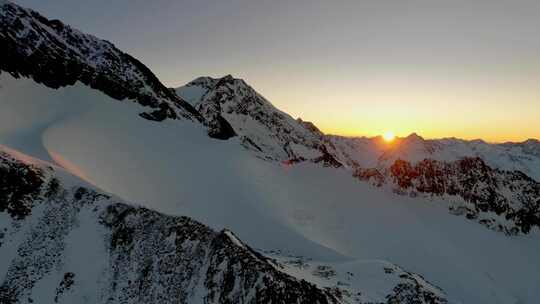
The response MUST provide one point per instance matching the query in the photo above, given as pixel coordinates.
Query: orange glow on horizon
(426, 133)
(426, 103)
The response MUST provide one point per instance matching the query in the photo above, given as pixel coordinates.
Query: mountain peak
(204, 81)
(57, 55)
(232, 107)
(228, 77)
(414, 137)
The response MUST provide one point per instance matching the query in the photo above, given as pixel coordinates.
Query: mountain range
(117, 189)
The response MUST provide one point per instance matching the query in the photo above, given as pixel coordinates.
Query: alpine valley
(117, 189)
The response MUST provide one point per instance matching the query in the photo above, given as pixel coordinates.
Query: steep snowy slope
(185, 176)
(194, 91)
(304, 209)
(356, 152)
(57, 55)
(64, 241)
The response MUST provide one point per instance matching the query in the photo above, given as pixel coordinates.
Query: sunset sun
(388, 136)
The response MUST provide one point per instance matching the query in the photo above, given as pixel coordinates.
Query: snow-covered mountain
(374, 152)
(57, 55)
(506, 201)
(489, 181)
(277, 136)
(63, 241)
(287, 190)
(496, 184)
(262, 128)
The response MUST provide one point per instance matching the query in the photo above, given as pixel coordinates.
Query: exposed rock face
(507, 201)
(231, 107)
(20, 186)
(395, 284)
(327, 159)
(413, 289)
(57, 55)
(372, 175)
(411, 292)
(211, 110)
(49, 223)
(310, 126)
(522, 156)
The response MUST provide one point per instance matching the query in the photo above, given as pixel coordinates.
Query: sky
(457, 68)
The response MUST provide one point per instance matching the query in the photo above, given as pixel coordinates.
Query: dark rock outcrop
(19, 186)
(327, 159)
(310, 126)
(508, 201)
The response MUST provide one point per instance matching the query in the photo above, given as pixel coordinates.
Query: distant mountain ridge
(247, 113)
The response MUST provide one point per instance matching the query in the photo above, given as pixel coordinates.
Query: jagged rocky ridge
(145, 256)
(507, 201)
(234, 108)
(375, 152)
(57, 55)
(530, 146)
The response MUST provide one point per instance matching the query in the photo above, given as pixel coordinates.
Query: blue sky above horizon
(468, 69)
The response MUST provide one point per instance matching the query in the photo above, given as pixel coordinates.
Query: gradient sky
(462, 68)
